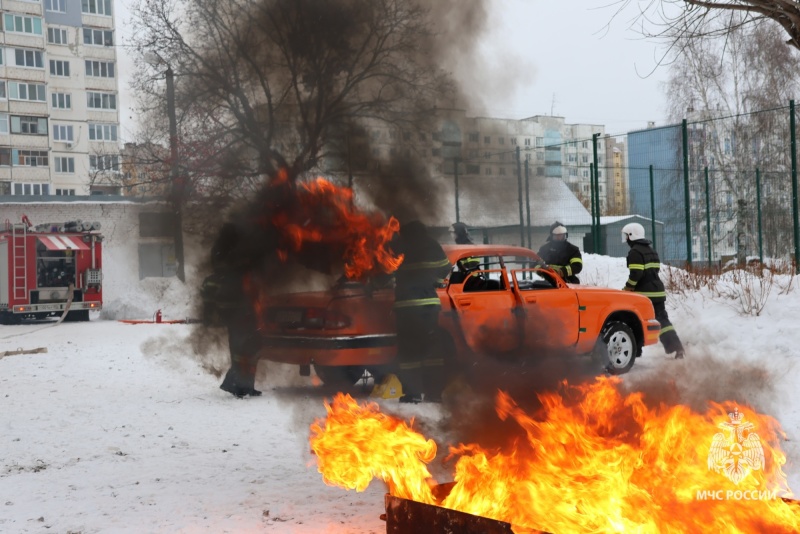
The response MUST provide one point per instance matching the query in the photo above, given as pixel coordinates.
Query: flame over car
(593, 459)
(320, 212)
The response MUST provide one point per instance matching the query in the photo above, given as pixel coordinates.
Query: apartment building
(59, 109)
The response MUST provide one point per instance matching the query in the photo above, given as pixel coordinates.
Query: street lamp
(177, 186)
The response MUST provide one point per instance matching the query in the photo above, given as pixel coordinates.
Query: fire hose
(70, 294)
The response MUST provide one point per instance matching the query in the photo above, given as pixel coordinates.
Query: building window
(473, 169)
(59, 67)
(473, 137)
(29, 158)
(501, 140)
(65, 192)
(61, 100)
(487, 140)
(101, 100)
(100, 69)
(104, 163)
(436, 152)
(502, 171)
(59, 6)
(28, 58)
(22, 24)
(98, 37)
(96, 7)
(31, 189)
(487, 171)
(527, 141)
(514, 141)
(102, 132)
(57, 36)
(573, 172)
(5, 157)
(2, 90)
(29, 125)
(34, 92)
(65, 166)
(63, 132)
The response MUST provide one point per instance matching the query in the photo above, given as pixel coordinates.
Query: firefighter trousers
(243, 343)
(420, 356)
(668, 336)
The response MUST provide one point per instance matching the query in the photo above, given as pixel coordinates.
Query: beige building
(59, 118)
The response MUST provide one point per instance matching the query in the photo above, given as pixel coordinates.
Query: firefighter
(466, 265)
(461, 234)
(226, 303)
(561, 255)
(644, 264)
(420, 359)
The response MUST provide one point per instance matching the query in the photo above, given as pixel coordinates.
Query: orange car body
(527, 310)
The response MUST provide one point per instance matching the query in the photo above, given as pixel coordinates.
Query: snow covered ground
(122, 428)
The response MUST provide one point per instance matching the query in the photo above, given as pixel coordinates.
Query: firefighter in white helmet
(564, 257)
(643, 277)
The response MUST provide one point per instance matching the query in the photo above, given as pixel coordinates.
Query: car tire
(340, 376)
(616, 348)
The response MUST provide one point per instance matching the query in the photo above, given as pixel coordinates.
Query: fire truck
(48, 269)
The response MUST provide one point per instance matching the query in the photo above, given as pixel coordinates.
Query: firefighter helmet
(632, 231)
(559, 230)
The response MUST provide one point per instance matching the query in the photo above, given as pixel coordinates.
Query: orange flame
(325, 213)
(348, 458)
(594, 460)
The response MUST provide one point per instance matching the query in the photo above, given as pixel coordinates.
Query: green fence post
(685, 134)
(519, 195)
(708, 221)
(758, 212)
(455, 177)
(592, 206)
(528, 202)
(596, 196)
(652, 208)
(793, 137)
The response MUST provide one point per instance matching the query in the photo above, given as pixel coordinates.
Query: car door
(487, 312)
(550, 315)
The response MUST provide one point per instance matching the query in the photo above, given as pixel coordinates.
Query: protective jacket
(565, 256)
(424, 267)
(643, 276)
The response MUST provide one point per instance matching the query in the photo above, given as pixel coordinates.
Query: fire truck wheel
(344, 376)
(616, 348)
(78, 315)
(9, 318)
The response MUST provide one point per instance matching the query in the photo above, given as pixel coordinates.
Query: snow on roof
(494, 202)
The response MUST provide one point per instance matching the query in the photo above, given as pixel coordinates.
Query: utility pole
(177, 185)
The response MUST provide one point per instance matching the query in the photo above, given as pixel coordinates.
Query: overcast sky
(539, 57)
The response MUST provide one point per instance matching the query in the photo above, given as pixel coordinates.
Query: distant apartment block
(59, 108)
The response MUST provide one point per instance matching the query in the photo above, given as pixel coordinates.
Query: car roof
(457, 252)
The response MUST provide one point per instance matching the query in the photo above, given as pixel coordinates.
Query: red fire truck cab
(45, 268)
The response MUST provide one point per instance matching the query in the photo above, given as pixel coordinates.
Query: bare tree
(276, 80)
(731, 90)
(678, 19)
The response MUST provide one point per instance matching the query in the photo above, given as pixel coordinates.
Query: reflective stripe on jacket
(643, 271)
(424, 268)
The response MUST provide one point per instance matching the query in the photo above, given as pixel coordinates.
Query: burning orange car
(512, 305)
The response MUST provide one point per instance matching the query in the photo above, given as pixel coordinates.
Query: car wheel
(616, 348)
(343, 376)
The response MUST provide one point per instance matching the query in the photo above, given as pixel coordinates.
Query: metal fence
(710, 192)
